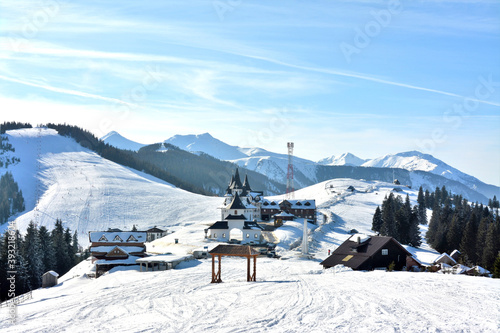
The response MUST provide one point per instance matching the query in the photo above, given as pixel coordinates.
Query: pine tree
(21, 269)
(389, 222)
(46, 249)
(33, 256)
(469, 240)
(4, 250)
(422, 212)
(454, 234)
(433, 224)
(134, 228)
(59, 244)
(414, 237)
(482, 230)
(496, 267)
(75, 247)
(428, 202)
(377, 220)
(491, 246)
(69, 248)
(402, 226)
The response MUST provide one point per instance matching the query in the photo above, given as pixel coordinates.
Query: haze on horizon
(366, 77)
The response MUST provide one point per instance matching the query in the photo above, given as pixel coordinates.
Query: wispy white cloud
(67, 91)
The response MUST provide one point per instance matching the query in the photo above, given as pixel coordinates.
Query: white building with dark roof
(239, 214)
(116, 248)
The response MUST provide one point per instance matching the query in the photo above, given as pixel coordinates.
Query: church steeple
(246, 185)
(236, 181)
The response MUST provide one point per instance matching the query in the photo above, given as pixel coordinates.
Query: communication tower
(289, 175)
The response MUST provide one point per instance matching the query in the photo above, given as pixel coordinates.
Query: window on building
(215, 235)
(117, 239)
(248, 235)
(223, 235)
(385, 252)
(103, 239)
(256, 236)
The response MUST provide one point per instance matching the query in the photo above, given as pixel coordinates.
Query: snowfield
(289, 296)
(292, 294)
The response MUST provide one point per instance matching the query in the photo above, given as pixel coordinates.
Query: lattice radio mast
(289, 176)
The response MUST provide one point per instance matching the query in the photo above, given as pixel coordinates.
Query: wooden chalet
(299, 208)
(110, 249)
(361, 252)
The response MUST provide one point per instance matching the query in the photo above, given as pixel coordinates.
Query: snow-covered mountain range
(307, 172)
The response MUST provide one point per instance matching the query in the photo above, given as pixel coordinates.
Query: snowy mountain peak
(344, 159)
(208, 144)
(115, 139)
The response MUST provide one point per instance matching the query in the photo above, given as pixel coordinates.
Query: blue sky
(366, 77)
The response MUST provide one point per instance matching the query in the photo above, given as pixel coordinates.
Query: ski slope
(289, 296)
(91, 193)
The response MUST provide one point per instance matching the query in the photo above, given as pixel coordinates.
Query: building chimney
(359, 240)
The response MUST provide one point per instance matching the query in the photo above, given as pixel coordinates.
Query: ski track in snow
(289, 296)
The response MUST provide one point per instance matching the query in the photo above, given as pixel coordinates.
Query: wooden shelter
(49, 279)
(233, 251)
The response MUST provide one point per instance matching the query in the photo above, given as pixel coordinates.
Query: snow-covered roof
(460, 269)
(443, 256)
(52, 273)
(294, 204)
(480, 270)
(117, 237)
(124, 248)
(129, 261)
(362, 238)
(163, 258)
(283, 214)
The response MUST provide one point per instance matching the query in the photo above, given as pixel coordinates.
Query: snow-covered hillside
(116, 140)
(91, 193)
(289, 296)
(344, 159)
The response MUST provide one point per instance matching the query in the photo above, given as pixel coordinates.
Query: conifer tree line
(13, 125)
(473, 229)
(39, 251)
(6, 146)
(11, 197)
(399, 219)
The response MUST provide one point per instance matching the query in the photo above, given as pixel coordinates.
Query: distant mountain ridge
(116, 140)
(421, 169)
(344, 159)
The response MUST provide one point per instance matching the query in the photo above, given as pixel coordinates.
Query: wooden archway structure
(233, 251)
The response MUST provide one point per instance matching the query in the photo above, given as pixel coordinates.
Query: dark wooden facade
(375, 252)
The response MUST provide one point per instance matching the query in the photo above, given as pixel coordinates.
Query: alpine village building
(116, 248)
(361, 252)
(244, 207)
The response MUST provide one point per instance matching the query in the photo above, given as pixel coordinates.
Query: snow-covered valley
(292, 294)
